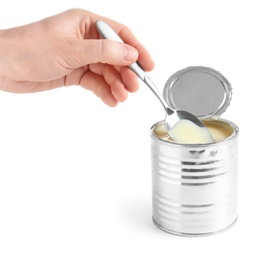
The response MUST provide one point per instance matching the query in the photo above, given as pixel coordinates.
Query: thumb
(106, 51)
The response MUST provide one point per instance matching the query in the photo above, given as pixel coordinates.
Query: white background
(75, 175)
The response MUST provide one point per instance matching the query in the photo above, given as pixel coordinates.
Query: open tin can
(194, 186)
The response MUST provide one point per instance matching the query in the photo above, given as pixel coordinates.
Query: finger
(86, 52)
(99, 87)
(113, 79)
(129, 79)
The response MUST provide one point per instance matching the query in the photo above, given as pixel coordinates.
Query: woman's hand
(65, 50)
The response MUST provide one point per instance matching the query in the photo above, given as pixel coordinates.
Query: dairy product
(219, 131)
(187, 132)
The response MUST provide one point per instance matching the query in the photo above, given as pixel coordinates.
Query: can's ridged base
(193, 234)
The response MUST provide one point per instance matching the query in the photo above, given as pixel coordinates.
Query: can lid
(199, 90)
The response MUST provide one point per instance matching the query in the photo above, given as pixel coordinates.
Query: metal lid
(199, 90)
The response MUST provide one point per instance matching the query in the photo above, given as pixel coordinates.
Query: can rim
(173, 143)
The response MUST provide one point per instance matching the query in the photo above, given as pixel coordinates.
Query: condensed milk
(218, 130)
(187, 132)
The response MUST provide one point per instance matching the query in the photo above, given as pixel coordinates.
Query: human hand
(65, 50)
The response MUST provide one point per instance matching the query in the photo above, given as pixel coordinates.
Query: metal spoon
(172, 115)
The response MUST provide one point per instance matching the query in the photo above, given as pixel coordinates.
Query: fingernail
(130, 53)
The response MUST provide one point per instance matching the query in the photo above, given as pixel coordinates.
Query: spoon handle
(108, 33)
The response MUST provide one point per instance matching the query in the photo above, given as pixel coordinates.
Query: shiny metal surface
(172, 115)
(194, 187)
(199, 90)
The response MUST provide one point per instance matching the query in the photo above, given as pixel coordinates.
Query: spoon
(173, 116)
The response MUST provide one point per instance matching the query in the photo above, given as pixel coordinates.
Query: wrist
(3, 56)
(3, 43)
(2, 37)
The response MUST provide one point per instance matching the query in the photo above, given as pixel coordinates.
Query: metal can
(194, 187)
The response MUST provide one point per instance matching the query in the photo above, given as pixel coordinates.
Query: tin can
(194, 187)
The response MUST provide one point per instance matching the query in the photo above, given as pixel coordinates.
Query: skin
(66, 50)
